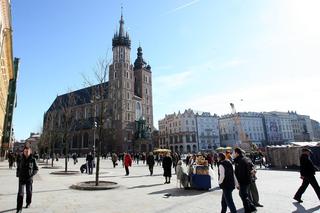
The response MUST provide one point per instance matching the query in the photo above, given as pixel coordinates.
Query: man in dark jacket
(150, 162)
(26, 169)
(90, 162)
(307, 172)
(243, 168)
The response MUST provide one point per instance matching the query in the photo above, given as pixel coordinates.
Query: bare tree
(67, 123)
(99, 99)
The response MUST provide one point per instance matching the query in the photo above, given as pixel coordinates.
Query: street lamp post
(94, 138)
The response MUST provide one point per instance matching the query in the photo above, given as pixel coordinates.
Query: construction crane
(244, 142)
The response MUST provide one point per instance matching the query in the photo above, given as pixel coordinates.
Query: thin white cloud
(173, 81)
(257, 98)
(192, 77)
(181, 7)
(232, 63)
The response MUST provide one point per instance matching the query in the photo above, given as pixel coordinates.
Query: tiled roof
(78, 97)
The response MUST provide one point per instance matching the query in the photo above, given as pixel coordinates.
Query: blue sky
(204, 54)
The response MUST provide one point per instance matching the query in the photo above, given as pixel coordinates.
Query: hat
(306, 150)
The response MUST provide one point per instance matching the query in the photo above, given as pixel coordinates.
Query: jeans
(28, 185)
(306, 181)
(90, 167)
(227, 201)
(244, 195)
(127, 170)
(151, 169)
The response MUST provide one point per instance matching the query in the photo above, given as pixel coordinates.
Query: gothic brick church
(122, 116)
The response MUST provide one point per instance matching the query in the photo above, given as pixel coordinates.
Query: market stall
(200, 178)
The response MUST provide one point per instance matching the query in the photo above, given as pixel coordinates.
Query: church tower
(121, 89)
(143, 87)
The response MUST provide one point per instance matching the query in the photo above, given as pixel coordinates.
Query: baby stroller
(83, 168)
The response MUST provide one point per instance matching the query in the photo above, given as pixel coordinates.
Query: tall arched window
(181, 149)
(74, 142)
(85, 140)
(188, 148)
(138, 110)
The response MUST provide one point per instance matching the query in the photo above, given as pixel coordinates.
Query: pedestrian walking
(243, 168)
(127, 162)
(174, 160)
(26, 169)
(150, 162)
(307, 172)
(10, 159)
(114, 159)
(227, 182)
(253, 190)
(166, 165)
(75, 158)
(89, 160)
(143, 158)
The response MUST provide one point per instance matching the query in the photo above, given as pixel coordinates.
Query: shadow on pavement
(8, 210)
(175, 192)
(145, 186)
(278, 169)
(300, 208)
(52, 190)
(141, 176)
(108, 176)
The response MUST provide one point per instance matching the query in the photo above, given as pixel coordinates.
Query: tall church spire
(121, 30)
(121, 38)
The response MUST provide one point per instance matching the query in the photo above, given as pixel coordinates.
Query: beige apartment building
(6, 64)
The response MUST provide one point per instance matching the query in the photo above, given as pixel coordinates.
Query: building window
(115, 75)
(85, 140)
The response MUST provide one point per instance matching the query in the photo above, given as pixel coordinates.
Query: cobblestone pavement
(142, 193)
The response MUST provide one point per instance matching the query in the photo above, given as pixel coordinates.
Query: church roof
(79, 97)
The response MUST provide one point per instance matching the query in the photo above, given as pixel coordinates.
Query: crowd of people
(235, 170)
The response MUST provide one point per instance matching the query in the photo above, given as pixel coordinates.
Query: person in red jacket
(127, 162)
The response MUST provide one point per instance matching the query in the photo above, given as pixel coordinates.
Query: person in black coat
(166, 165)
(90, 162)
(150, 162)
(26, 169)
(243, 169)
(307, 172)
(227, 183)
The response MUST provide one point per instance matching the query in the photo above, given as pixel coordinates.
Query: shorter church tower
(143, 87)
